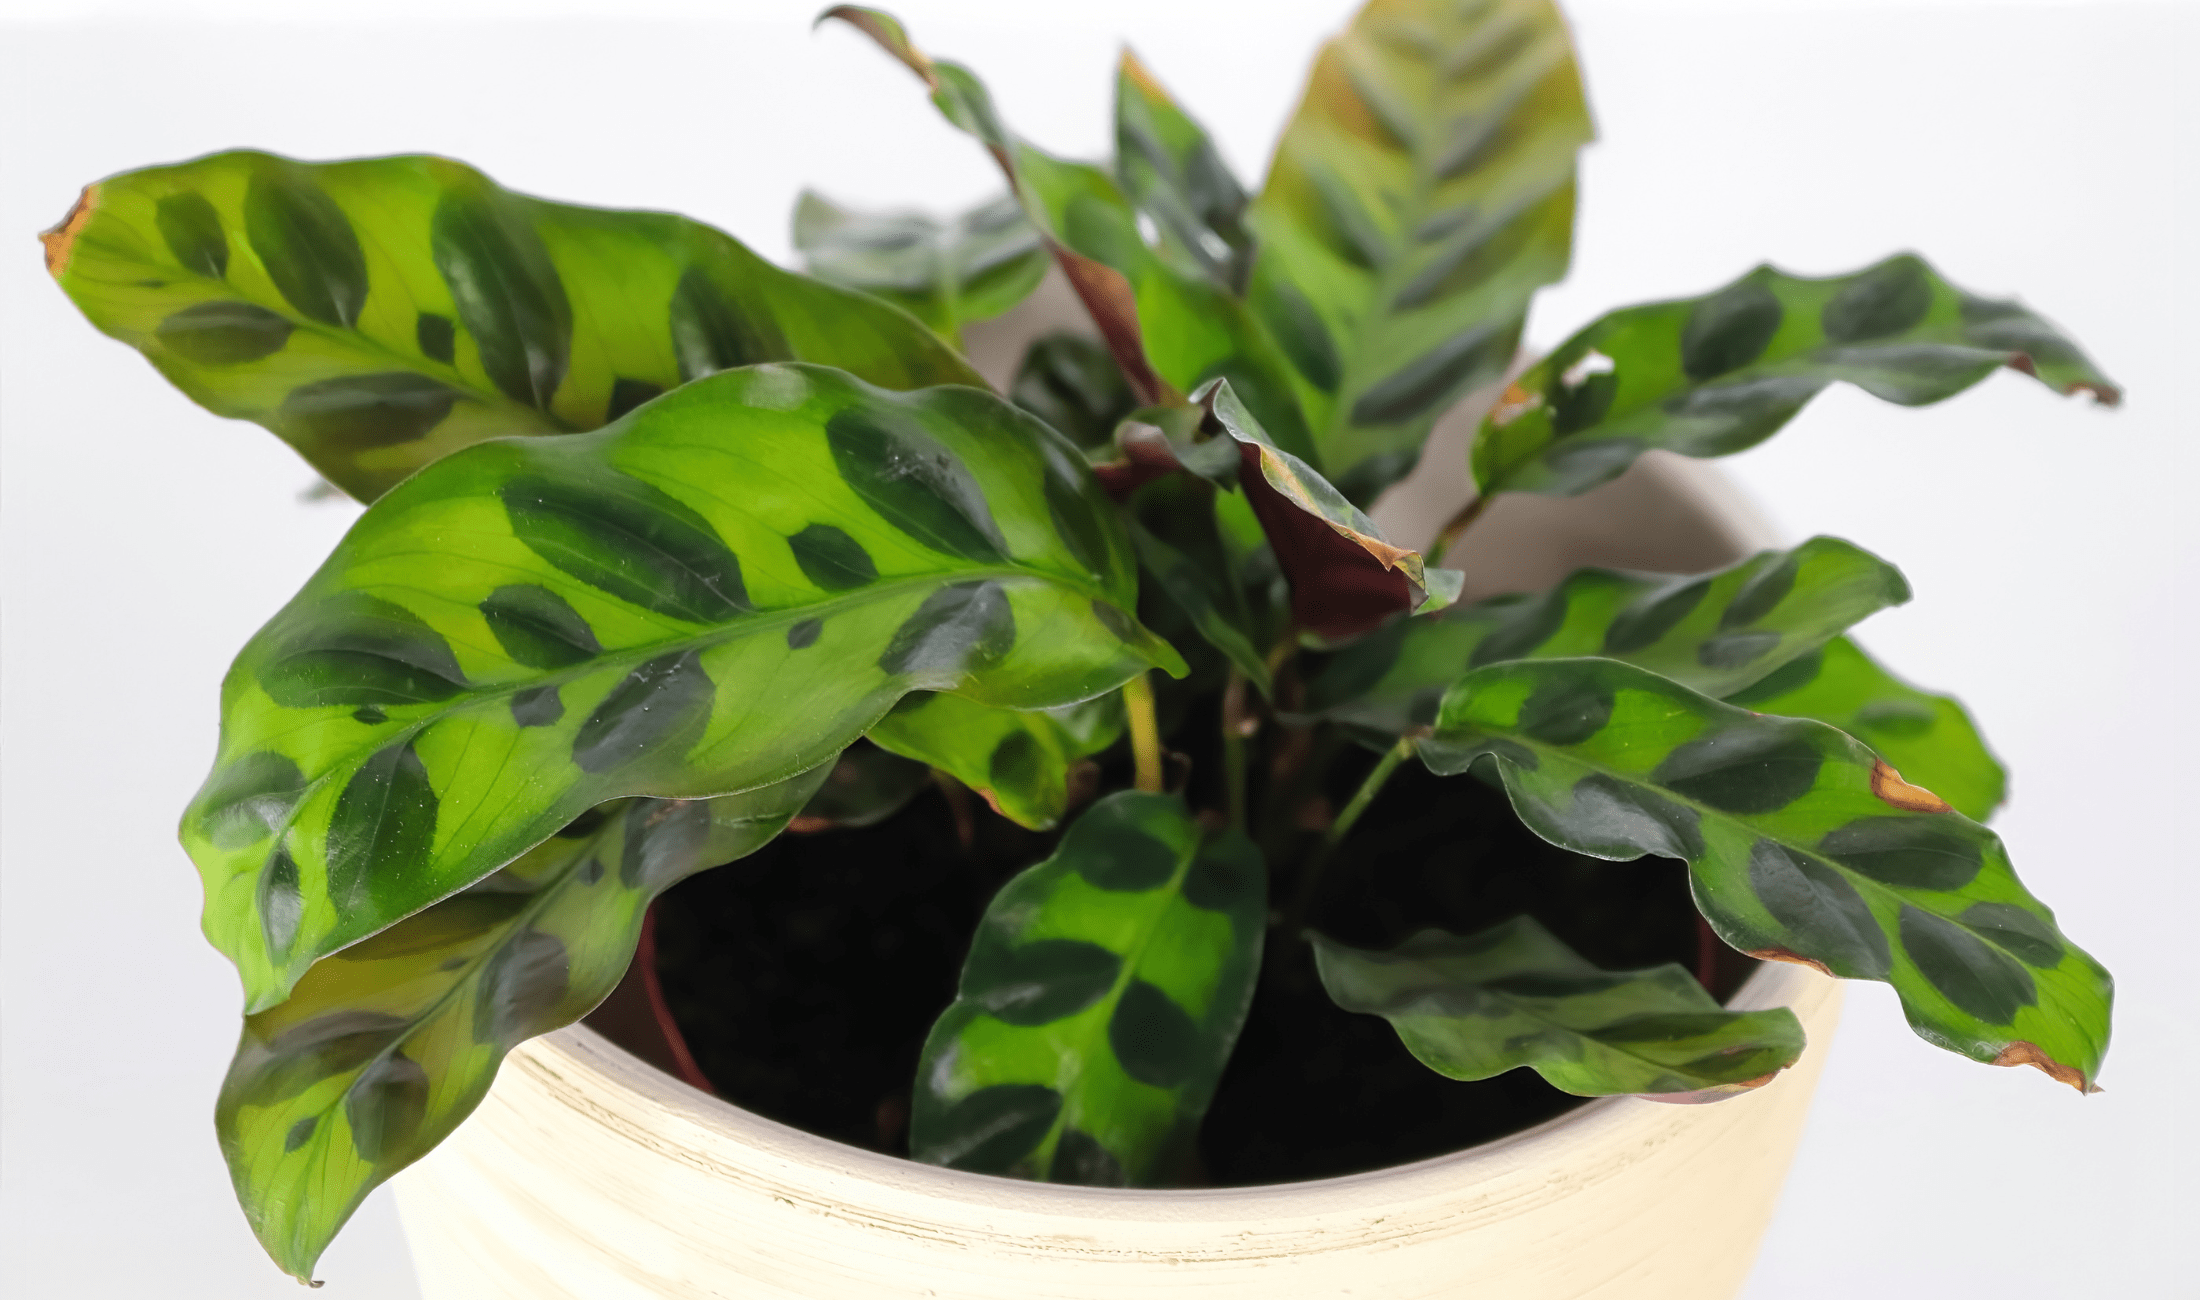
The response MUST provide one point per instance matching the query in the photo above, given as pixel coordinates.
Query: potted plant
(546, 678)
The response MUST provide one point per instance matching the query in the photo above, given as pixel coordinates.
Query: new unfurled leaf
(947, 274)
(1802, 846)
(1713, 375)
(721, 590)
(1423, 191)
(1928, 737)
(383, 1048)
(1715, 633)
(1171, 170)
(1169, 327)
(381, 313)
(1101, 997)
(1514, 995)
(1346, 577)
(1020, 760)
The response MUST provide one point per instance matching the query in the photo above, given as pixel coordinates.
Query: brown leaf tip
(2021, 1052)
(1792, 958)
(1890, 787)
(1136, 73)
(60, 241)
(1513, 403)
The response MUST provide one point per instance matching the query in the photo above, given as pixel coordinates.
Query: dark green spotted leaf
(1181, 544)
(1170, 169)
(1802, 846)
(1714, 375)
(946, 273)
(702, 599)
(1927, 737)
(1102, 995)
(867, 785)
(383, 1048)
(1513, 995)
(380, 313)
(1715, 633)
(1020, 760)
(1423, 191)
(1169, 326)
(1071, 382)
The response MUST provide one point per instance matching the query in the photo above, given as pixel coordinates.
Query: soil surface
(805, 976)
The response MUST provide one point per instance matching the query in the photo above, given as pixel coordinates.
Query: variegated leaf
(383, 1048)
(719, 591)
(1071, 382)
(866, 786)
(1928, 737)
(1169, 168)
(1020, 760)
(1715, 633)
(380, 313)
(1802, 846)
(1102, 995)
(1514, 995)
(1169, 328)
(1714, 375)
(1423, 191)
(947, 274)
(1180, 543)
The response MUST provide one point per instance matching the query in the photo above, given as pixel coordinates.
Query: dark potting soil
(805, 976)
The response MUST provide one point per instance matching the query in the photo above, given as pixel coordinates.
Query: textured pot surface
(588, 1175)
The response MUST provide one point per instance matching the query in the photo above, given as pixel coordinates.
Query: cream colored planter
(587, 1175)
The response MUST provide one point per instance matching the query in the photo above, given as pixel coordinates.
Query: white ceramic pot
(588, 1175)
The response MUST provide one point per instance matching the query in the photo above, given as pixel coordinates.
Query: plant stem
(1449, 534)
(1365, 795)
(1317, 862)
(1145, 733)
(1235, 728)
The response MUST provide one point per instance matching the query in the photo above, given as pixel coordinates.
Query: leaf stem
(1145, 733)
(1449, 534)
(1365, 795)
(1310, 877)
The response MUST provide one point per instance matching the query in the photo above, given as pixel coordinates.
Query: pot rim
(671, 1103)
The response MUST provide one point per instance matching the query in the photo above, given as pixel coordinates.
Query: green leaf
(1071, 382)
(1170, 328)
(1423, 191)
(381, 313)
(1715, 633)
(1019, 760)
(1103, 992)
(385, 1047)
(1928, 737)
(945, 273)
(1513, 995)
(1713, 375)
(1180, 543)
(1802, 846)
(721, 590)
(1169, 168)
(866, 786)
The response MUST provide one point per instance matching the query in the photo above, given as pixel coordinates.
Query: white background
(2033, 149)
